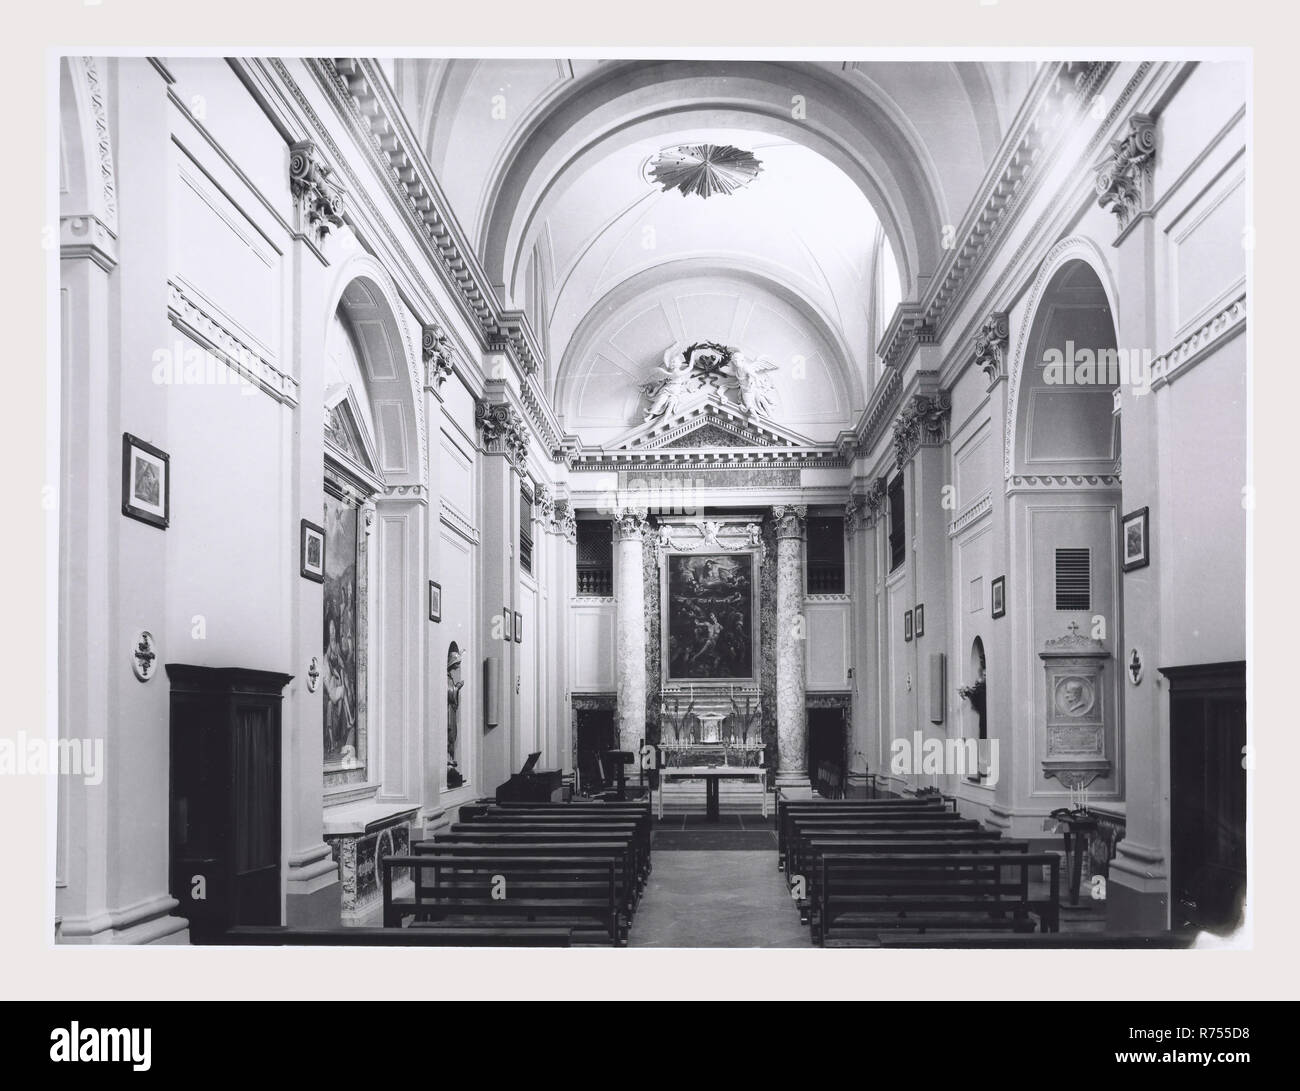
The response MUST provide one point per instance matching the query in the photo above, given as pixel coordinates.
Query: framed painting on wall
(999, 596)
(146, 482)
(709, 611)
(519, 627)
(311, 551)
(435, 601)
(1135, 545)
(907, 625)
(918, 619)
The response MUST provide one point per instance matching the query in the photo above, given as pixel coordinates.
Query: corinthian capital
(319, 197)
(789, 519)
(991, 345)
(922, 423)
(629, 523)
(437, 352)
(503, 432)
(1124, 175)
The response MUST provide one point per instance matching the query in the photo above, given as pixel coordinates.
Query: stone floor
(717, 899)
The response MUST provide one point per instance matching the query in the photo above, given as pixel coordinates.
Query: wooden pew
(852, 844)
(524, 831)
(574, 892)
(863, 894)
(799, 826)
(625, 876)
(785, 808)
(1154, 941)
(640, 823)
(426, 935)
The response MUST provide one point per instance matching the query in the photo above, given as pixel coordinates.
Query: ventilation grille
(1073, 579)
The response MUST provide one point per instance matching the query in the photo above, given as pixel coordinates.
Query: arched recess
(620, 101)
(1061, 458)
(1073, 277)
(373, 493)
(364, 292)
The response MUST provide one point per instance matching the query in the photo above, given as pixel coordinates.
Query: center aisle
(716, 899)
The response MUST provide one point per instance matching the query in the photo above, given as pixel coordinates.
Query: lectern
(225, 796)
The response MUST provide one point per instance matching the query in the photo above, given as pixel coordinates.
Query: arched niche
(373, 516)
(1065, 370)
(389, 363)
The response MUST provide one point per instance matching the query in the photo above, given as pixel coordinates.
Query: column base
(313, 891)
(794, 784)
(1137, 889)
(148, 921)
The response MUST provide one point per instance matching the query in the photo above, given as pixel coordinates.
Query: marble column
(791, 639)
(629, 528)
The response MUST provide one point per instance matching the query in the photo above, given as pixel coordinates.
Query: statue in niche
(454, 685)
(750, 375)
(678, 381)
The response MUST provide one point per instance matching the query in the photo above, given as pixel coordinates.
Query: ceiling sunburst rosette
(704, 169)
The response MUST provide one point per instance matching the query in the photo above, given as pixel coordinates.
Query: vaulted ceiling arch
(621, 102)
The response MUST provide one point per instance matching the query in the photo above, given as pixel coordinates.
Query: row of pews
(863, 871)
(551, 869)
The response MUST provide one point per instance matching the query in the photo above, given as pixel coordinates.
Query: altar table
(711, 775)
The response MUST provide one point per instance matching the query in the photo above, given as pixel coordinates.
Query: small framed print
(999, 596)
(519, 627)
(311, 551)
(146, 482)
(435, 601)
(907, 625)
(1135, 548)
(507, 625)
(918, 621)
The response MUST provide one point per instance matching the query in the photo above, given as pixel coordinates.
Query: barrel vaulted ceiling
(550, 167)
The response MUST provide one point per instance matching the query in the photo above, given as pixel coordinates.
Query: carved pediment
(709, 425)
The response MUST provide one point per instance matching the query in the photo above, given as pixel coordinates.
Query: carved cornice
(923, 422)
(973, 514)
(503, 432)
(629, 524)
(1123, 177)
(1063, 92)
(1227, 321)
(363, 92)
(908, 328)
(1045, 482)
(318, 197)
(711, 534)
(789, 520)
(191, 318)
(991, 345)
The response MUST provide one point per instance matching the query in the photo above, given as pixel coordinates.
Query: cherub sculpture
(751, 378)
(677, 382)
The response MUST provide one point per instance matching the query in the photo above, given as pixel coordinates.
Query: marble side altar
(360, 835)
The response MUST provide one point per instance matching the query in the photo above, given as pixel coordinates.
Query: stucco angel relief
(750, 375)
(677, 381)
(732, 373)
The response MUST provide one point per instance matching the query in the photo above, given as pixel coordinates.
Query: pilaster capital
(789, 520)
(991, 345)
(436, 349)
(565, 521)
(319, 198)
(503, 432)
(629, 524)
(544, 506)
(922, 423)
(1123, 177)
